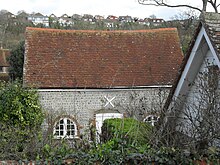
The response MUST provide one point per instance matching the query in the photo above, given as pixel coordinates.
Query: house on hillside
(99, 18)
(126, 18)
(85, 77)
(38, 18)
(143, 22)
(77, 17)
(111, 22)
(65, 20)
(195, 96)
(7, 16)
(112, 17)
(4, 53)
(155, 21)
(88, 18)
(53, 18)
(22, 17)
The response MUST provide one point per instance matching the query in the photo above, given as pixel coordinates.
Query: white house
(38, 18)
(65, 20)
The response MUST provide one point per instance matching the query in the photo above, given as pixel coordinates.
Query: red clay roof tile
(100, 59)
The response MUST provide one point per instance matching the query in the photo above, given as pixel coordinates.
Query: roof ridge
(100, 31)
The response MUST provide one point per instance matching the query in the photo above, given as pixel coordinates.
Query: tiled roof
(4, 53)
(211, 22)
(100, 59)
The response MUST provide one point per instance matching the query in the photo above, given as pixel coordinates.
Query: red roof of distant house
(100, 59)
(4, 53)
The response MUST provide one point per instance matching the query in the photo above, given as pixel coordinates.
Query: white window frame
(64, 129)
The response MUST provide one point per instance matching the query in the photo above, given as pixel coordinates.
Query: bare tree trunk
(204, 5)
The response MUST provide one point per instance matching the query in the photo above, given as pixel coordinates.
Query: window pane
(61, 127)
(154, 118)
(68, 121)
(61, 133)
(61, 121)
(72, 127)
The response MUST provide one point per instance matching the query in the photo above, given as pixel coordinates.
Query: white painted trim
(65, 129)
(189, 63)
(211, 48)
(104, 90)
(186, 71)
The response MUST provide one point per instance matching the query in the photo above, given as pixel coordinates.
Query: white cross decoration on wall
(109, 101)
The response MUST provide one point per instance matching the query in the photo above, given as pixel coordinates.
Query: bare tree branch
(162, 3)
(213, 3)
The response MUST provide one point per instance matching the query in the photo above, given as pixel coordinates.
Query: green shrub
(21, 117)
(19, 106)
(16, 61)
(132, 131)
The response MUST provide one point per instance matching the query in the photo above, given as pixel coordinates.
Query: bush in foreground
(21, 117)
(131, 131)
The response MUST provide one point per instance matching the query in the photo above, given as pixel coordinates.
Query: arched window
(65, 128)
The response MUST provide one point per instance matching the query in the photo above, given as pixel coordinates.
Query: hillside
(12, 27)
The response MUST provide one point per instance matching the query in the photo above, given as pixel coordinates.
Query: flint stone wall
(83, 104)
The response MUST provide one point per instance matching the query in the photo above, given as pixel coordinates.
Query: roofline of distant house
(119, 88)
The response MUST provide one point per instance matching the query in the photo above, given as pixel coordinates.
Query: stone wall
(82, 104)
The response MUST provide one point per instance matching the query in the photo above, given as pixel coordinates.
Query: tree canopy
(21, 117)
(16, 61)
